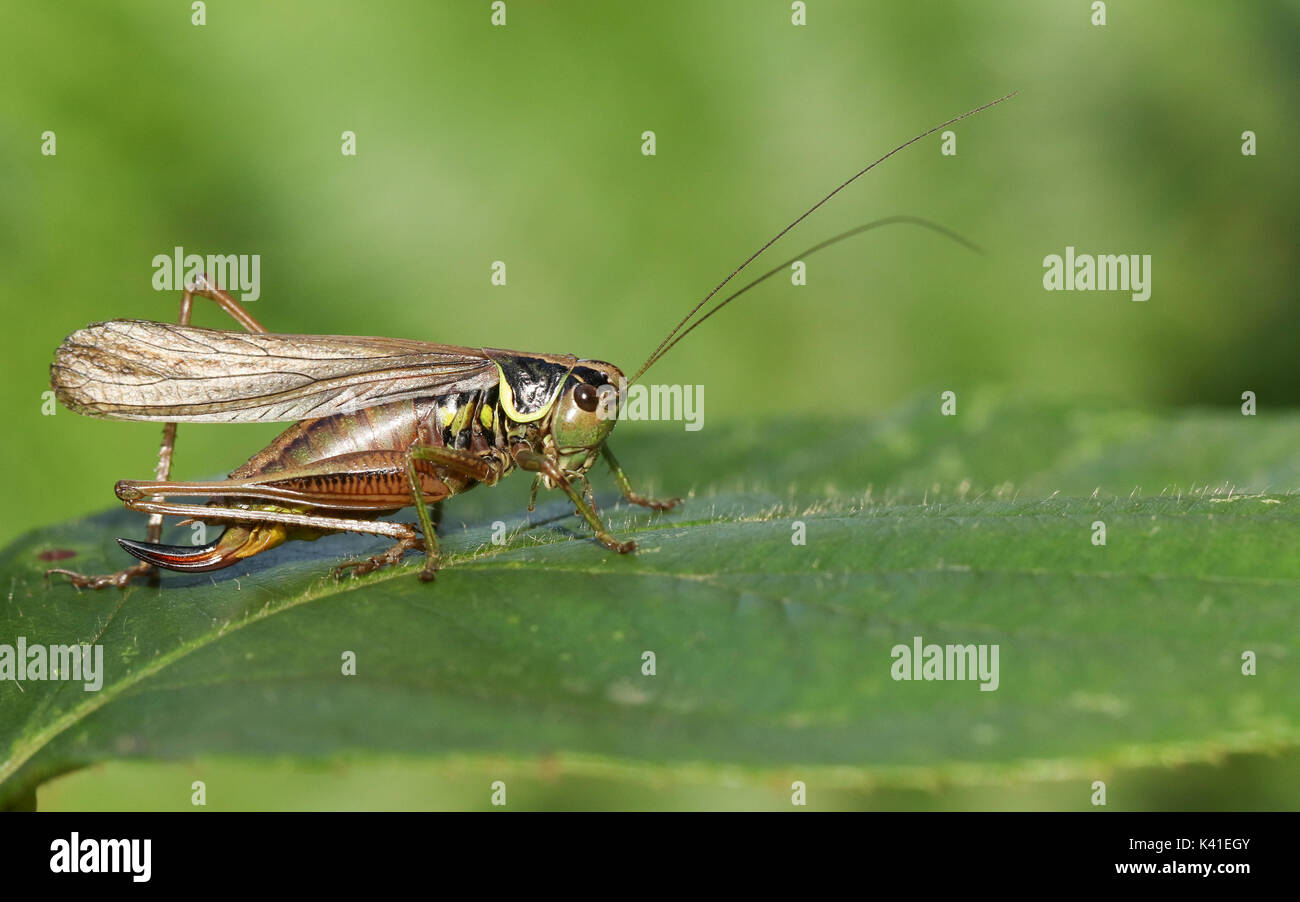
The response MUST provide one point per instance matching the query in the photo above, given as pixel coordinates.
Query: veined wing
(140, 370)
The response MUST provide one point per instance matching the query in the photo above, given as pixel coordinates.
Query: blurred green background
(523, 144)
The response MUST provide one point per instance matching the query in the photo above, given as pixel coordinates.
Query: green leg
(625, 485)
(426, 521)
(452, 459)
(540, 463)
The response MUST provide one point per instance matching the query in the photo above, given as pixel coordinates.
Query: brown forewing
(140, 370)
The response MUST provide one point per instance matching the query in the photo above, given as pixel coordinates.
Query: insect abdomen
(388, 427)
(374, 480)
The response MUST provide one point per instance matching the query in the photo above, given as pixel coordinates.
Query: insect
(379, 424)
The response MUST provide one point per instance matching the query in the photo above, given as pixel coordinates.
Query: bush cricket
(379, 424)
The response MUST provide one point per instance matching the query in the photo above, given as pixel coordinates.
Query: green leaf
(770, 656)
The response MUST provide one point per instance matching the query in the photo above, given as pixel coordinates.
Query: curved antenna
(805, 215)
(889, 220)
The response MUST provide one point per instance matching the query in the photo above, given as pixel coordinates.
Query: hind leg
(393, 555)
(262, 530)
(118, 580)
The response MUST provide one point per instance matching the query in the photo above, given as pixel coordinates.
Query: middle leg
(452, 459)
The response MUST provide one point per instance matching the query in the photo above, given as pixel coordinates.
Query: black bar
(960, 850)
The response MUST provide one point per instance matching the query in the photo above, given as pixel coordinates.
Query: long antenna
(663, 345)
(890, 220)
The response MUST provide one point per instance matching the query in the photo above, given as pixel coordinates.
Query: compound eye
(586, 397)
